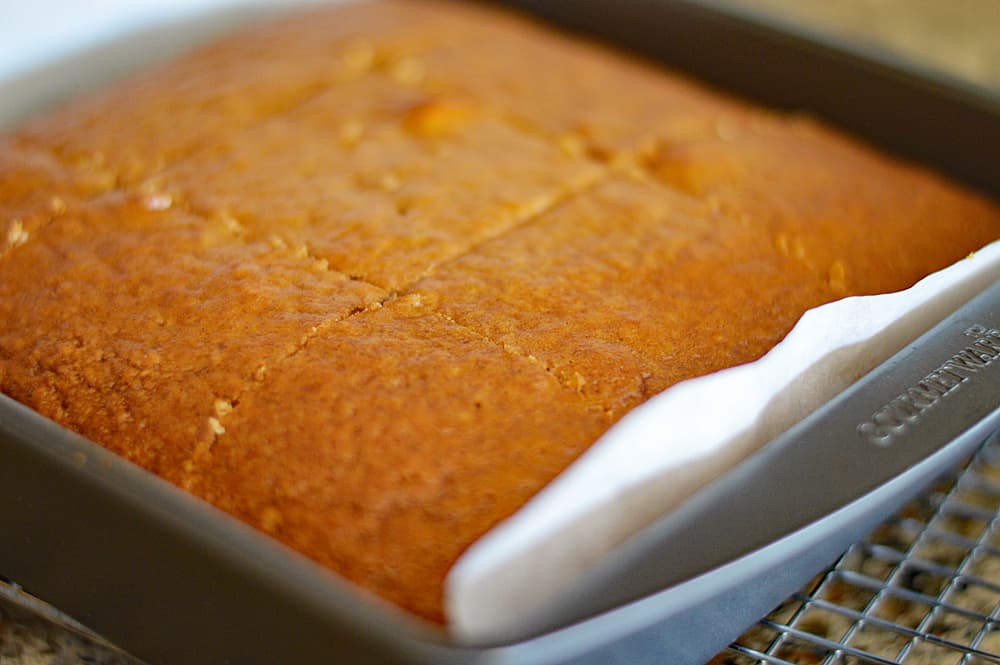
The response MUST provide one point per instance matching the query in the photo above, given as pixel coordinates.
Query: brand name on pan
(906, 409)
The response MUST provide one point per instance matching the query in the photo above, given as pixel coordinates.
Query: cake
(369, 276)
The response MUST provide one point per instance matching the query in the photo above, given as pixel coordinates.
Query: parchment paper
(682, 439)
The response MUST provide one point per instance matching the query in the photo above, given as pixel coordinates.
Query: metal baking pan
(175, 581)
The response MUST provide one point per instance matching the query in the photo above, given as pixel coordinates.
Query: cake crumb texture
(427, 436)
(369, 276)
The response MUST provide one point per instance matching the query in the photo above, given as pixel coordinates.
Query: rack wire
(922, 589)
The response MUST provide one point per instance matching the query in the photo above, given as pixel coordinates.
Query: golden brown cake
(369, 277)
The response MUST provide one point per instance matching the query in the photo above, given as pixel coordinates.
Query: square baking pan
(174, 581)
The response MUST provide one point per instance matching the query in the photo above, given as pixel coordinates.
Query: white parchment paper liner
(682, 439)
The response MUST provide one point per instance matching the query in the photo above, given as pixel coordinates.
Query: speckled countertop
(958, 37)
(26, 638)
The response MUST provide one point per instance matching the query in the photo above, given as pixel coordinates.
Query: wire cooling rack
(922, 589)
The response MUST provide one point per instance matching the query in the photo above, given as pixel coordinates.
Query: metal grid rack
(923, 589)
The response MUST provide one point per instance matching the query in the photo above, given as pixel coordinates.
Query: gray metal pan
(175, 581)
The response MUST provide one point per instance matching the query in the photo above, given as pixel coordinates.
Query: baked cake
(368, 277)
